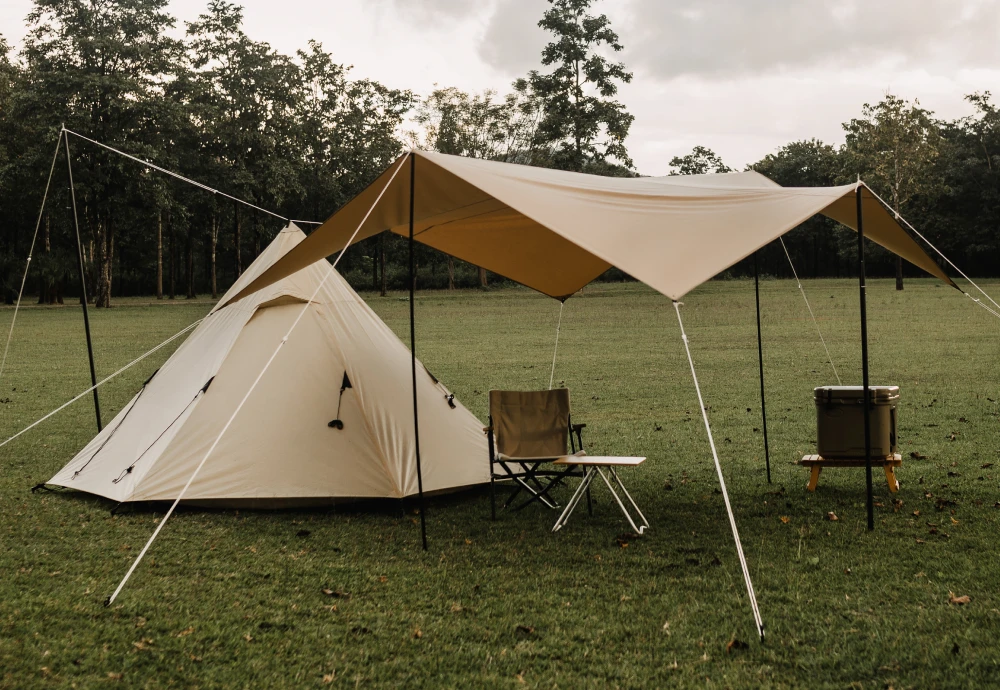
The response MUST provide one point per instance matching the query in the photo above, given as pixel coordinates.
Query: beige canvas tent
(280, 449)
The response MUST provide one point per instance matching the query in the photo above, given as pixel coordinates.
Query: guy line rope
(253, 386)
(135, 361)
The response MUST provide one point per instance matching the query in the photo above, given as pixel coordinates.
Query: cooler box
(840, 421)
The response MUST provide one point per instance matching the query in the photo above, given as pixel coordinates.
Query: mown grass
(235, 599)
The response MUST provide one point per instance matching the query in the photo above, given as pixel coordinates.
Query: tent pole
(83, 283)
(866, 394)
(760, 364)
(413, 359)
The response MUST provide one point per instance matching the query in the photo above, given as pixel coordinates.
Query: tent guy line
(31, 251)
(811, 314)
(332, 270)
(135, 361)
(180, 177)
(722, 481)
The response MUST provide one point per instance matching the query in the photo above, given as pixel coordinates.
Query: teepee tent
(342, 364)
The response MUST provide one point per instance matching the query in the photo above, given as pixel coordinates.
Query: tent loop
(31, 250)
(811, 314)
(722, 481)
(555, 349)
(253, 386)
(102, 382)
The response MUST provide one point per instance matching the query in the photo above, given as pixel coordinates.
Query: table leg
(890, 476)
(637, 530)
(618, 480)
(813, 478)
(588, 476)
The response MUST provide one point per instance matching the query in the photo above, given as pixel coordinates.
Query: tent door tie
(337, 423)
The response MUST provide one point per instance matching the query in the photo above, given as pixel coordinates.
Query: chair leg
(493, 497)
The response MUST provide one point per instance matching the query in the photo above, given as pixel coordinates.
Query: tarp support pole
(760, 363)
(864, 362)
(83, 283)
(413, 357)
(722, 482)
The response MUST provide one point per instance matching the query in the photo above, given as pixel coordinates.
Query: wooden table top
(600, 460)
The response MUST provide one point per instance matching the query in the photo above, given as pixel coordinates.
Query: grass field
(235, 599)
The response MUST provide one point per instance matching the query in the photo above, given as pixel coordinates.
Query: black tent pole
(866, 393)
(413, 359)
(760, 362)
(83, 283)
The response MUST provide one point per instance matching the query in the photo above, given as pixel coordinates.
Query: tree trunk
(451, 273)
(237, 238)
(173, 254)
(213, 245)
(375, 267)
(43, 280)
(381, 262)
(190, 262)
(899, 273)
(104, 259)
(159, 255)
(483, 281)
(256, 234)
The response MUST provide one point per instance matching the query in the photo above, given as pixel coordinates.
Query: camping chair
(527, 430)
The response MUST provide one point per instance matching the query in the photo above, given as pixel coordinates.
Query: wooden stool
(817, 463)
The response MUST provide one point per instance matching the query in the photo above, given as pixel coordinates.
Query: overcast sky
(742, 77)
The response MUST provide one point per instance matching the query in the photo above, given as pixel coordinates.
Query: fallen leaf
(114, 676)
(736, 645)
(832, 517)
(383, 578)
(958, 601)
(987, 465)
(918, 456)
(785, 519)
(954, 521)
(456, 608)
(921, 541)
(248, 637)
(417, 634)
(336, 593)
(525, 630)
(916, 513)
(185, 632)
(329, 677)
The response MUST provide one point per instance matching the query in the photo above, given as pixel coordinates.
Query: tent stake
(864, 362)
(760, 363)
(83, 284)
(413, 359)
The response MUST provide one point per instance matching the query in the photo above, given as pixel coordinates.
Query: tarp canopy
(555, 231)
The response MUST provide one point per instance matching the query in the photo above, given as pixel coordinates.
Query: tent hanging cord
(185, 179)
(722, 482)
(102, 381)
(552, 376)
(31, 250)
(809, 307)
(916, 232)
(173, 506)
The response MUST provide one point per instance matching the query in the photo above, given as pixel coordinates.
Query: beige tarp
(280, 448)
(556, 231)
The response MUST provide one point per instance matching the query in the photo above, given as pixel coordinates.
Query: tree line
(299, 136)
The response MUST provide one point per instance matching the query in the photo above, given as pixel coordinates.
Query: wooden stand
(817, 463)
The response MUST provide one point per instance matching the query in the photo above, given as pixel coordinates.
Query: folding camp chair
(528, 430)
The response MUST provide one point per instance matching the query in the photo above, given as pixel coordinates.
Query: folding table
(592, 465)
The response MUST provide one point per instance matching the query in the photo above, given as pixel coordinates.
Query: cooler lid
(879, 393)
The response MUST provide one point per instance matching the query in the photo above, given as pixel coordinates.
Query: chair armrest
(487, 429)
(577, 427)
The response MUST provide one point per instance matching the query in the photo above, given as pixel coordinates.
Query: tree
(582, 121)
(100, 67)
(893, 146)
(700, 161)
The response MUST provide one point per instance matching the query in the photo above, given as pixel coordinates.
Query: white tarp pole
(722, 482)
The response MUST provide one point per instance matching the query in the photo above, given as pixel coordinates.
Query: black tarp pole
(413, 359)
(866, 393)
(760, 363)
(83, 282)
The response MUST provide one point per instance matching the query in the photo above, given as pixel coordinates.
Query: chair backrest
(530, 424)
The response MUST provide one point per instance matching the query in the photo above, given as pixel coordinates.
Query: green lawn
(235, 599)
